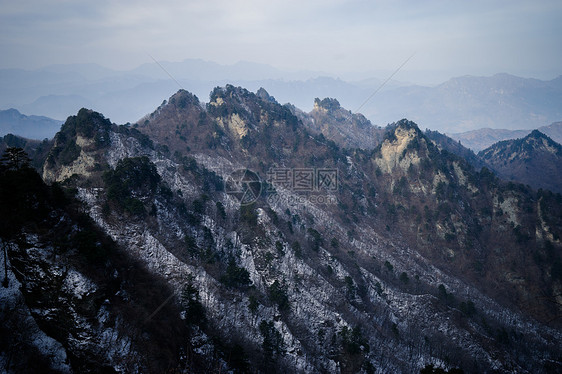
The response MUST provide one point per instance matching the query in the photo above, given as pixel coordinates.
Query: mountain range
(477, 140)
(469, 103)
(534, 160)
(458, 105)
(242, 235)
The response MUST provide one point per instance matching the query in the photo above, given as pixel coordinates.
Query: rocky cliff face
(347, 129)
(74, 146)
(347, 260)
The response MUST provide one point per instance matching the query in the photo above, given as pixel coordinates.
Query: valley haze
(457, 105)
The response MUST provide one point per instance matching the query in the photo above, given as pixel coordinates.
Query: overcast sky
(449, 38)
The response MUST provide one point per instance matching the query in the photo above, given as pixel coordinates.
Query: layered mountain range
(459, 104)
(243, 235)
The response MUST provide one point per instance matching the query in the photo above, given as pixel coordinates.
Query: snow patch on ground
(77, 284)
(12, 301)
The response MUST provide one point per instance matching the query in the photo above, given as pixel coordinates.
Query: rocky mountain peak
(347, 129)
(86, 123)
(536, 134)
(264, 95)
(534, 160)
(404, 145)
(228, 100)
(183, 99)
(406, 125)
(231, 95)
(76, 145)
(542, 141)
(402, 133)
(328, 104)
(524, 148)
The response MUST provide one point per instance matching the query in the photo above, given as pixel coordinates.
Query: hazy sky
(449, 38)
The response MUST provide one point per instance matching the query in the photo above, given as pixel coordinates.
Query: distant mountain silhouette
(32, 127)
(469, 103)
(459, 104)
